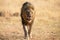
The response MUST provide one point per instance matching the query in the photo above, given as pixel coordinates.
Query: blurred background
(46, 24)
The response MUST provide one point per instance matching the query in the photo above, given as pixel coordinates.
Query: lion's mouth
(28, 19)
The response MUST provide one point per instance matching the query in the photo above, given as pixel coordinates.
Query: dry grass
(46, 25)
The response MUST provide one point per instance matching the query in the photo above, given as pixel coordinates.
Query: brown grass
(46, 25)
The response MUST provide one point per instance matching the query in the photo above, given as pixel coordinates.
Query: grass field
(46, 24)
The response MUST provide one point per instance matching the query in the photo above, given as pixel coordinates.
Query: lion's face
(29, 13)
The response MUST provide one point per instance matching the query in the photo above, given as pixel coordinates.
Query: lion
(27, 17)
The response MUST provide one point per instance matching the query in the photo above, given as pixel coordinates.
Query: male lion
(27, 16)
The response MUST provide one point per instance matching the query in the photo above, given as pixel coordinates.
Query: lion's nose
(28, 14)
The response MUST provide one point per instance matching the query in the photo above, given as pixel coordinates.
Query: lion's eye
(25, 8)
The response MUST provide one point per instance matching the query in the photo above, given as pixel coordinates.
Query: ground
(46, 24)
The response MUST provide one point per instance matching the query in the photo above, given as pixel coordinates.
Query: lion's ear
(33, 8)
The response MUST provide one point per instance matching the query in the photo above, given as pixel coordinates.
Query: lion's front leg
(25, 31)
(29, 31)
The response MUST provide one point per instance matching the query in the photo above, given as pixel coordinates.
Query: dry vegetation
(45, 27)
